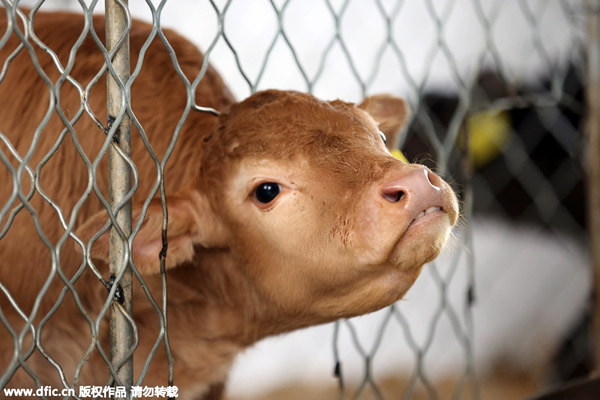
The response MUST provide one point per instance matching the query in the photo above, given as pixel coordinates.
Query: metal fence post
(119, 185)
(593, 163)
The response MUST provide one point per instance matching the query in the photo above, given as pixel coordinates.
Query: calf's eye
(266, 192)
(383, 137)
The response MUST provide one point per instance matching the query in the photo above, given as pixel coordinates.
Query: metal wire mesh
(545, 102)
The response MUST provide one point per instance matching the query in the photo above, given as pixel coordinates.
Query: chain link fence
(496, 92)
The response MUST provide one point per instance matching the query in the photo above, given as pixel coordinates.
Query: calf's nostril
(432, 179)
(393, 196)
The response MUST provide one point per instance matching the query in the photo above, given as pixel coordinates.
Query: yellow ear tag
(399, 155)
(489, 133)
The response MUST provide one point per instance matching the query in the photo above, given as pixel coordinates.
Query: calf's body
(285, 211)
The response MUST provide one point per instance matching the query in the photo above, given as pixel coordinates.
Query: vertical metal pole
(593, 163)
(119, 186)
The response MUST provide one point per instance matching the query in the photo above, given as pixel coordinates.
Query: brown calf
(285, 211)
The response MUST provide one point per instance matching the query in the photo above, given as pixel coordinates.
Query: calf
(284, 211)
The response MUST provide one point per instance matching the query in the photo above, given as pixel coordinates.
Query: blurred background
(496, 90)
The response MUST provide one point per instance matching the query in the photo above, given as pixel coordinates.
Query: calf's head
(309, 205)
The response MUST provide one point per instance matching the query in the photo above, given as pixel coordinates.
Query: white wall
(251, 26)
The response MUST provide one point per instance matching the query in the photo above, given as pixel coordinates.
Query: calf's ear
(390, 112)
(191, 222)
